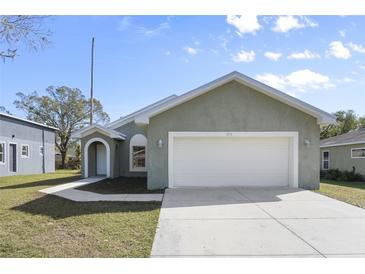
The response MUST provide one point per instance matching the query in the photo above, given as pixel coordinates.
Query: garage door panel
(222, 180)
(225, 161)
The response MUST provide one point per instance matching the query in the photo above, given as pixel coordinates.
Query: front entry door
(100, 159)
(12, 158)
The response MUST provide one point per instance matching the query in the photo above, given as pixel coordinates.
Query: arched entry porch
(97, 158)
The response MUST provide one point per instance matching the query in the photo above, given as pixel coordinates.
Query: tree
(64, 108)
(4, 110)
(361, 122)
(78, 155)
(21, 29)
(346, 121)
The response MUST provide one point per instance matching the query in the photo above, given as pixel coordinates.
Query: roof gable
(98, 128)
(323, 118)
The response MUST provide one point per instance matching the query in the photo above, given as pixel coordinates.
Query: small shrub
(332, 174)
(351, 176)
(337, 175)
(73, 164)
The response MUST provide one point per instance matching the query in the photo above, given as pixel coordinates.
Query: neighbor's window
(2, 153)
(358, 152)
(325, 159)
(139, 156)
(137, 149)
(41, 150)
(25, 151)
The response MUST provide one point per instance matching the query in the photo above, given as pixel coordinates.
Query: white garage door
(230, 161)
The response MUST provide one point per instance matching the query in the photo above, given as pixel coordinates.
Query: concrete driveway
(257, 222)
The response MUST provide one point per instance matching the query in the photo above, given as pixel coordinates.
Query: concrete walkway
(69, 192)
(72, 185)
(257, 222)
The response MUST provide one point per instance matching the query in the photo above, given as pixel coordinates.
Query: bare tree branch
(22, 29)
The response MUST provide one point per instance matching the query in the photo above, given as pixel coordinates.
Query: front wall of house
(233, 107)
(27, 134)
(340, 157)
(114, 155)
(129, 130)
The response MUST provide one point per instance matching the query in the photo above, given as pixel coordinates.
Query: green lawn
(38, 225)
(120, 185)
(349, 192)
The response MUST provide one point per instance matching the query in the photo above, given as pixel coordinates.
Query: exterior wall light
(159, 143)
(307, 142)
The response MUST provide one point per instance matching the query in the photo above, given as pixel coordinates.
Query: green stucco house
(344, 152)
(233, 131)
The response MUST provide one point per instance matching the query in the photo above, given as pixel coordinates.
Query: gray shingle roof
(357, 136)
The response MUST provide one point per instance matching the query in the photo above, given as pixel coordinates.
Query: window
(25, 151)
(137, 160)
(2, 153)
(325, 160)
(41, 150)
(358, 152)
(139, 157)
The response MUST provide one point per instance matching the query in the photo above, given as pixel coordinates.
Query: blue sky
(141, 59)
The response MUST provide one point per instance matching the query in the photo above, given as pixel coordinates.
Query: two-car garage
(216, 159)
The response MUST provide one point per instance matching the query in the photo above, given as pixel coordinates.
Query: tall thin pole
(92, 82)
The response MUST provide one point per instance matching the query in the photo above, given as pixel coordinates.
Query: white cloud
(186, 60)
(288, 22)
(338, 50)
(308, 22)
(357, 47)
(191, 51)
(297, 81)
(273, 56)
(167, 53)
(347, 80)
(275, 81)
(244, 23)
(306, 78)
(124, 23)
(342, 33)
(306, 54)
(152, 32)
(244, 56)
(223, 42)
